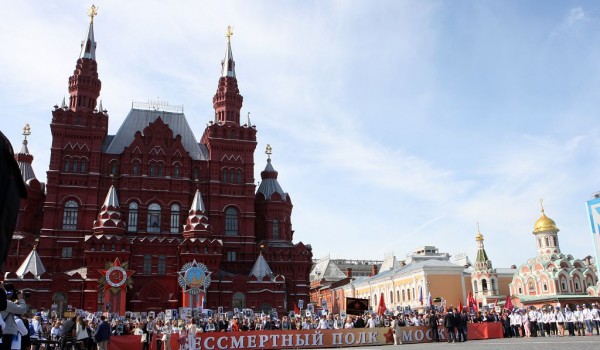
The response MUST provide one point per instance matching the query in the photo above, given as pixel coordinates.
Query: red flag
(508, 304)
(296, 310)
(381, 308)
(472, 302)
(460, 306)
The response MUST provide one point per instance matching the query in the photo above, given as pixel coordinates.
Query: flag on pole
(460, 306)
(508, 304)
(381, 308)
(472, 302)
(421, 295)
(296, 309)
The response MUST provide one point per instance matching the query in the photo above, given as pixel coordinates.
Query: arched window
(546, 241)
(70, 216)
(239, 176)
(159, 170)
(231, 221)
(391, 297)
(563, 284)
(196, 173)
(493, 285)
(475, 289)
(154, 218)
(175, 218)
(114, 169)
(484, 287)
(136, 168)
(152, 170)
(576, 282)
(83, 166)
(239, 300)
(132, 219)
(403, 295)
(397, 296)
(176, 170)
(67, 167)
(531, 287)
(275, 229)
(75, 166)
(225, 176)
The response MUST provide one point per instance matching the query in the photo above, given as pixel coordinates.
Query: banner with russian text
(308, 339)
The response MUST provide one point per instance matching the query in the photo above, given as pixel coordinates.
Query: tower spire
(84, 85)
(227, 102)
(88, 45)
(24, 158)
(197, 222)
(228, 65)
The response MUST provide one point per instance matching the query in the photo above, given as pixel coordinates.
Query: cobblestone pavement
(542, 343)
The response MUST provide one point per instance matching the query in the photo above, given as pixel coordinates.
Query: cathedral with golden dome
(552, 277)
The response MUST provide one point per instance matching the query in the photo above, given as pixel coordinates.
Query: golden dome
(479, 236)
(544, 223)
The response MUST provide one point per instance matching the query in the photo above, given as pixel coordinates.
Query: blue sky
(394, 124)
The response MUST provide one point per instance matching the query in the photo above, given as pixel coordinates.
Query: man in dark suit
(433, 325)
(450, 325)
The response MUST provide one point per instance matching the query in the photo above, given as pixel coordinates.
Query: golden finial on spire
(26, 131)
(229, 33)
(478, 236)
(269, 151)
(542, 204)
(93, 12)
(36, 242)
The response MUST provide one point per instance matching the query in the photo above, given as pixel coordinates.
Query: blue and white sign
(593, 208)
(301, 304)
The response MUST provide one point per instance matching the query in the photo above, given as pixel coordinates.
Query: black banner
(356, 306)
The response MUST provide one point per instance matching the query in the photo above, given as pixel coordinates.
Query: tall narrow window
(75, 166)
(176, 170)
(70, 216)
(159, 170)
(152, 169)
(132, 219)
(162, 265)
(231, 256)
(136, 168)
(225, 176)
(147, 264)
(83, 166)
(113, 169)
(67, 166)
(175, 218)
(154, 218)
(231, 222)
(196, 173)
(239, 176)
(484, 286)
(275, 229)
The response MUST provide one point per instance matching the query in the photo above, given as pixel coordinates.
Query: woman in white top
(192, 329)
(55, 331)
(349, 323)
(21, 331)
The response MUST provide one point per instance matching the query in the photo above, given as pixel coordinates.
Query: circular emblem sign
(116, 276)
(194, 278)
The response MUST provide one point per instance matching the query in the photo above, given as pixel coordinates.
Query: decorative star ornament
(194, 278)
(117, 277)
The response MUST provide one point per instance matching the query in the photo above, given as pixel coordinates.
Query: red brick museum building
(157, 198)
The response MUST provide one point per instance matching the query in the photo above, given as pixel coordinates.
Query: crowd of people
(34, 332)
